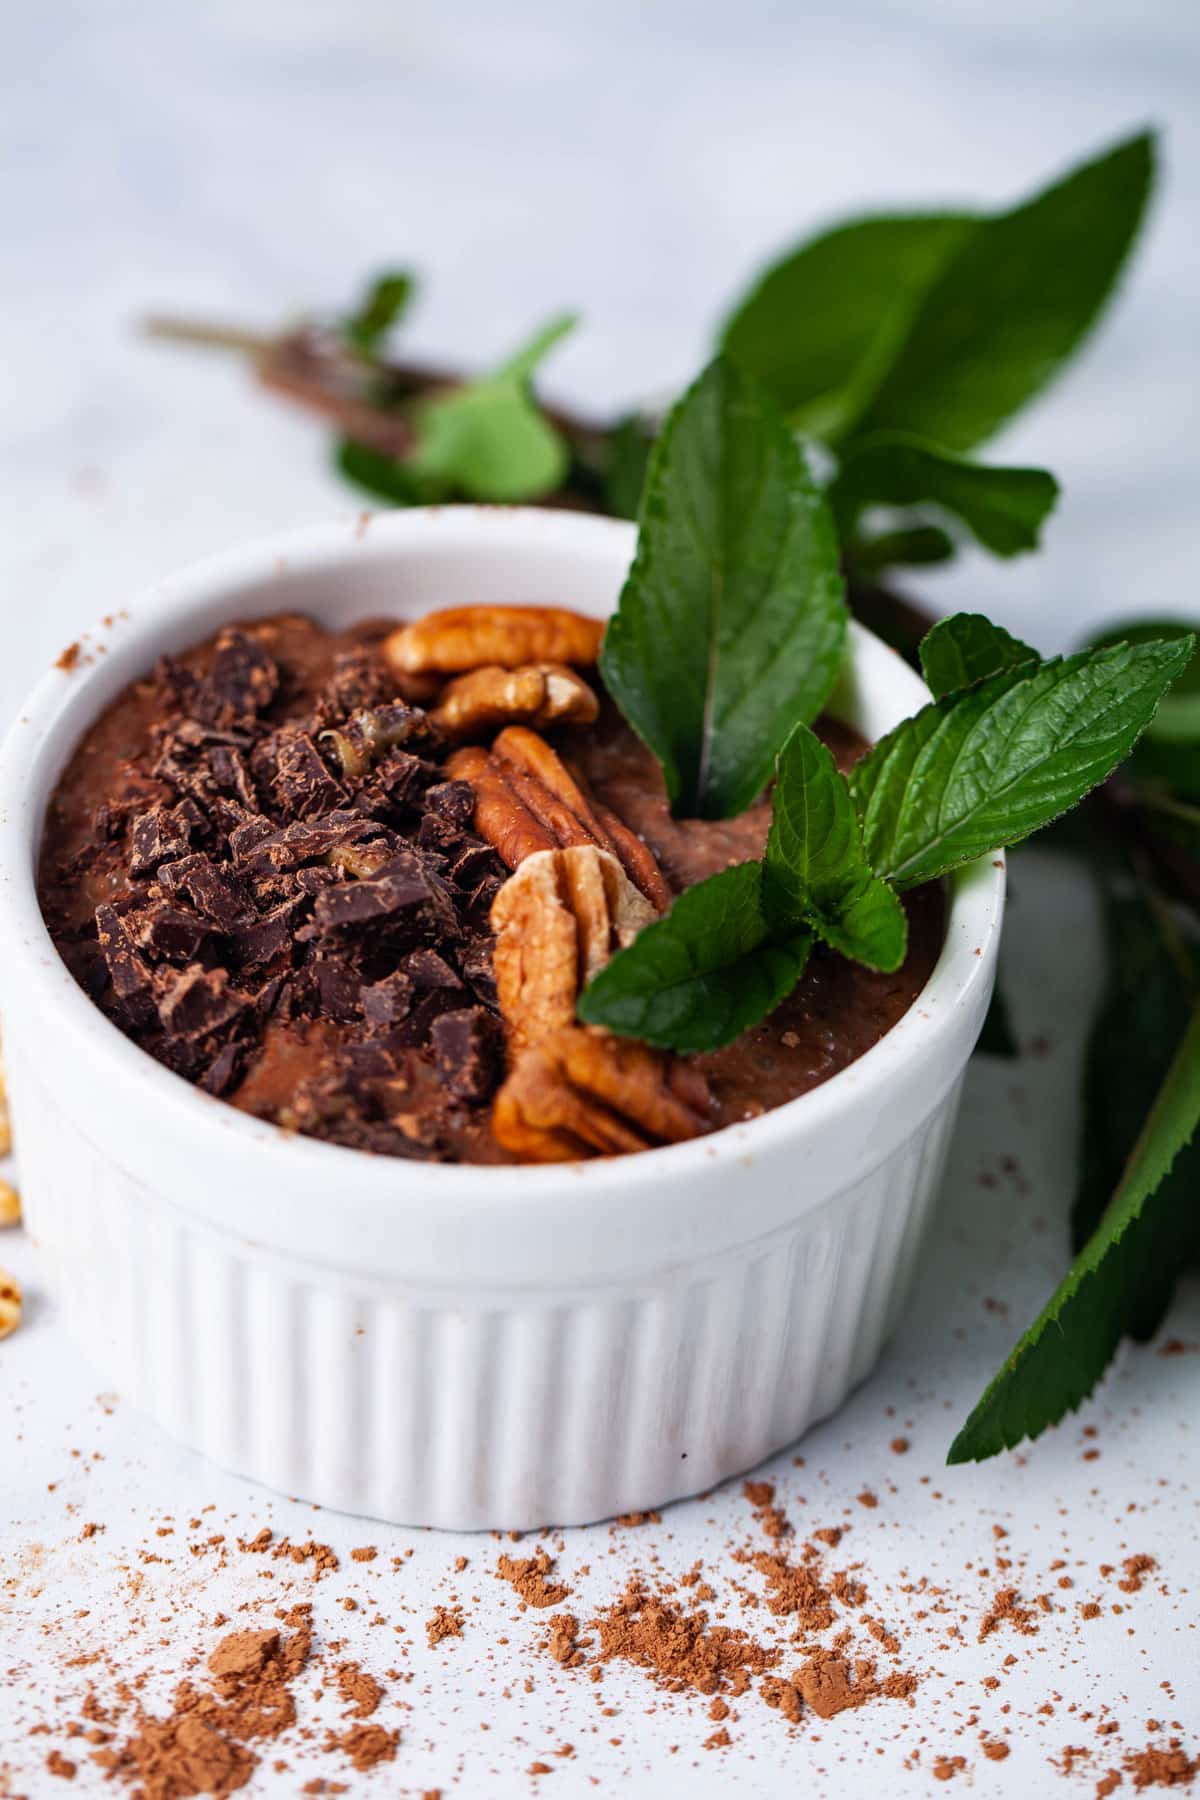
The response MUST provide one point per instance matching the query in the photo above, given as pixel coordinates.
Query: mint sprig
(988, 767)
(489, 439)
(973, 771)
(1002, 508)
(965, 649)
(815, 869)
(1122, 1278)
(701, 976)
(731, 625)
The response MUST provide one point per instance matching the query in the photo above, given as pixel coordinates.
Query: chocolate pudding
(259, 866)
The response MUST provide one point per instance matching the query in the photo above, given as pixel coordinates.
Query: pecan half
(526, 800)
(542, 694)
(468, 637)
(557, 921)
(581, 1091)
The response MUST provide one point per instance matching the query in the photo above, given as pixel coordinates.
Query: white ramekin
(461, 1347)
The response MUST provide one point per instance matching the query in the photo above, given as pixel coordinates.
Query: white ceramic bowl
(448, 1346)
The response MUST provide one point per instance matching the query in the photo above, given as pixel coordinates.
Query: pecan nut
(468, 637)
(541, 694)
(527, 800)
(557, 921)
(581, 1092)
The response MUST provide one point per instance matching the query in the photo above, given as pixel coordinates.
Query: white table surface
(634, 161)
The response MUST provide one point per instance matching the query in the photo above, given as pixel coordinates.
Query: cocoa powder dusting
(528, 1577)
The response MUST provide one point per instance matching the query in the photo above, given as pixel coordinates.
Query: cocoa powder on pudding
(304, 931)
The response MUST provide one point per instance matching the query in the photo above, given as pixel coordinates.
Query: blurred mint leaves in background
(898, 344)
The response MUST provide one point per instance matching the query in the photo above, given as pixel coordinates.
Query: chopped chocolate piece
(198, 1003)
(158, 836)
(225, 1069)
(357, 682)
(339, 986)
(268, 937)
(405, 890)
(426, 969)
(453, 801)
(475, 862)
(397, 783)
(478, 971)
(214, 891)
(128, 972)
(385, 1003)
(232, 776)
(242, 680)
(162, 930)
(302, 786)
(466, 1048)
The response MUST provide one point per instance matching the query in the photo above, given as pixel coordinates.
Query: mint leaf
(489, 440)
(699, 977)
(1013, 302)
(815, 870)
(965, 649)
(629, 446)
(384, 476)
(731, 624)
(1120, 1280)
(381, 307)
(987, 767)
(819, 327)
(1002, 508)
(914, 546)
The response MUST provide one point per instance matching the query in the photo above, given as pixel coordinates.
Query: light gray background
(635, 161)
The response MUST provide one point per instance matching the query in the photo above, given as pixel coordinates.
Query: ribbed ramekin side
(472, 1409)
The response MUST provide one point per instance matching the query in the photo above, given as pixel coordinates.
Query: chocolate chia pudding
(273, 864)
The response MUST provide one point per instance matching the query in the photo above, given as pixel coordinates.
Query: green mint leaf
(815, 871)
(1002, 508)
(731, 624)
(489, 440)
(696, 979)
(1013, 302)
(1118, 1282)
(973, 771)
(819, 327)
(523, 364)
(1170, 751)
(629, 445)
(381, 307)
(965, 649)
(914, 546)
(383, 476)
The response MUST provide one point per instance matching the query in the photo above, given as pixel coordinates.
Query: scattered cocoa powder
(528, 1576)
(360, 1691)
(444, 1622)
(1007, 1609)
(679, 1647)
(1156, 1767)
(366, 1745)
